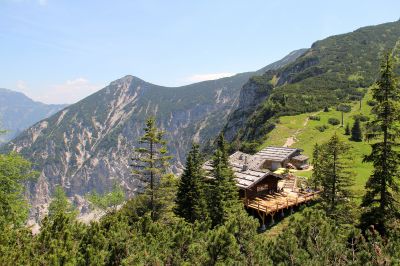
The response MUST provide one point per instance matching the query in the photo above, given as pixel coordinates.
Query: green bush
(314, 117)
(322, 128)
(333, 121)
(362, 118)
(344, 108)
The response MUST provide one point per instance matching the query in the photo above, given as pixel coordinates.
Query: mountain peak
(126, 79)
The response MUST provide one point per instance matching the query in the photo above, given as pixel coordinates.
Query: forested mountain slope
(334, 70)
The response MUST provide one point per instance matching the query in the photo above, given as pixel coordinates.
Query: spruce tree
(151, 164)
(316, 174)
(190, 200)
(60, 204)
(224, 197)
(334, 174)
(109, 201)
(382, 185)
(356, 134)
(347, 130)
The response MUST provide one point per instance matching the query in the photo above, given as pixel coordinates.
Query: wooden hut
(251, 182)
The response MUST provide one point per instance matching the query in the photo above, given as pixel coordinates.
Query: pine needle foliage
(223, 193)
(356, 133)
(383, 131)
(151, 162)
(332, 170)
(191, 202)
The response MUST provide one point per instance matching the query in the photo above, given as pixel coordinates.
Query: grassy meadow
(305, 134)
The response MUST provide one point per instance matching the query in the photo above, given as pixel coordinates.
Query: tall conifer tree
(316, 174)
(224, 193)
(334, 174)
(379, 199)
(347, 130)
(356, 134)
(151, 163)
(190, 201)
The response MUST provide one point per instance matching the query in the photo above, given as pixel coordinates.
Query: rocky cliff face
(87, 145)
(18, 112)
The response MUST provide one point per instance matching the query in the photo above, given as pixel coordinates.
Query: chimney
(245, 165)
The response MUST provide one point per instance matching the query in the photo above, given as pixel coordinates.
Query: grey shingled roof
(300, 157)
(245, 178)
(254, 162)
(276, 154)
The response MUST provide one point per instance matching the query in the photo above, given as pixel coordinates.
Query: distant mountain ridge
(87, 145)
(18, 112)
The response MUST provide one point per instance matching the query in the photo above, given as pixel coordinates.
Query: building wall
(271, 165)
(299, 164)
(269, 184)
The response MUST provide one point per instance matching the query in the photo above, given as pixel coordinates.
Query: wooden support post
(245, 197)
(272, 219)
(263, 228)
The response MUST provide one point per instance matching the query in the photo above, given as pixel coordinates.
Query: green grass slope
(305, 134)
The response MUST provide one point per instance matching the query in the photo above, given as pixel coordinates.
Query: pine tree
(109, 201)
(14, 171)
(60, 204)
(347, 131)
(334, 174)
(383, 183)
(151, 163)
(191, 203)
(356, 134)
(223, 195)
(316, 174)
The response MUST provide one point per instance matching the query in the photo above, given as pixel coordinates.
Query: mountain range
(18, 112)
(88, 145)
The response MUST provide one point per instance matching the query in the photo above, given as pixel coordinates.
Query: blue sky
(59, 51)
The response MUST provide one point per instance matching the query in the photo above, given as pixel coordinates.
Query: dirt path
(292, 139)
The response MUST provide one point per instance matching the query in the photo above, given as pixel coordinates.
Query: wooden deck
(270, 204)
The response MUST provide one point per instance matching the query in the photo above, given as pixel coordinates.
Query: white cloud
(42, 2)
(210, 76)
(21, 86)
(69, 92)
